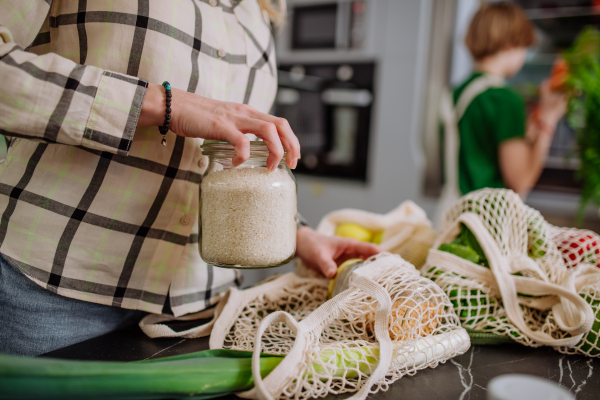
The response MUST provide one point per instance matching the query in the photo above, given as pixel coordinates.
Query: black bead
(165, 127)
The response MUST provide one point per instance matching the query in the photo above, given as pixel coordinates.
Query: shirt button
(185, 220)
(213, 3)
(221, 53)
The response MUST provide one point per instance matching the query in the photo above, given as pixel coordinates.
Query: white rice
(248, 217)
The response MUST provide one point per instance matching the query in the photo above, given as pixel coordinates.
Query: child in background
(499, 146)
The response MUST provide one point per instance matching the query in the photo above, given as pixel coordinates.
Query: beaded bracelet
(165, 127)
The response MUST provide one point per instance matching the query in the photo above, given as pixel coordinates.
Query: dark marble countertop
(464, 378)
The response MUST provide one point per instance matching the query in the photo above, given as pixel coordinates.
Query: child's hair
(498, 26)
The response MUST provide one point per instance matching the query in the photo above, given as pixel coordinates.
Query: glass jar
(247, 213)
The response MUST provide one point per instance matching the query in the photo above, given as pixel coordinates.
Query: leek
(201, 375)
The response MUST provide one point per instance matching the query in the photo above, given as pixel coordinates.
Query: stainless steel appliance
(326, 85)
(329, 108)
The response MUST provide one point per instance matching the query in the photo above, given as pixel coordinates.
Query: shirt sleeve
(510, 121)
(53, 99)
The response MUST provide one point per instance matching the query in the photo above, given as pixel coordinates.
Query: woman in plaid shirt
(99, 220)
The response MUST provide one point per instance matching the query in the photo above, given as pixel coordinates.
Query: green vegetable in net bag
(531, 262)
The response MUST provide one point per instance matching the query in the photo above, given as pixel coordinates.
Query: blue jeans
(34, 320)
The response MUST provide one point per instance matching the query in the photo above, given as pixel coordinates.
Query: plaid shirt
(92, 207)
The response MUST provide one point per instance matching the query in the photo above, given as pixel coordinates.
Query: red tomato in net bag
(578, 246)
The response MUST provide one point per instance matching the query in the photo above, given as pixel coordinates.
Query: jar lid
(526, 387)
(222, 148)
(224, 142)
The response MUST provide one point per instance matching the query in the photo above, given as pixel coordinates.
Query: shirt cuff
(115, 113)
(301, 221)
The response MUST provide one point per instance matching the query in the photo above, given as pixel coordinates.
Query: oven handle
(347, 97)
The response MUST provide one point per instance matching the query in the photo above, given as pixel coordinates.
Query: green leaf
(460, 251)
(583, 114)
(466, 246)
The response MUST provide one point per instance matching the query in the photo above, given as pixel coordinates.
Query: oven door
(331, 118)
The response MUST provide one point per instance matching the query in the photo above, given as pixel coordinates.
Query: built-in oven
(326, 81)
(329, 108)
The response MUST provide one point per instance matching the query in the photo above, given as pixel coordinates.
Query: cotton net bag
(391, 322)
(406, 229)
(541, 284)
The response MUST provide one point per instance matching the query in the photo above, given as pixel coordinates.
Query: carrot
(559, 74)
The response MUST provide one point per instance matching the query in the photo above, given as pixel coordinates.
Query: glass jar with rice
(247, 213)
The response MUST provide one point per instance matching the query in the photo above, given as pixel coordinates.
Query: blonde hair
(276, 9)
(496, 27)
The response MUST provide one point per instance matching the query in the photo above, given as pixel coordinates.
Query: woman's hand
(196, 116)
(325, 253)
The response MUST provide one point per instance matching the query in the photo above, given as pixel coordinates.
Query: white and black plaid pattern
(92, 207)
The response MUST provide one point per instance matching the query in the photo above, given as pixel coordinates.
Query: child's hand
(553, 104)
(325, 253)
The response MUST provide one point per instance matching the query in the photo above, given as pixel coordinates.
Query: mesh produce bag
(390, 322)
(406, 229)
(526, 280)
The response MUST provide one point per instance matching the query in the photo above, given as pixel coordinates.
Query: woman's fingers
(366, 250)
(240, 142)
(288, 139)
(286, 135)
(328, 267)
(212, 119)
(357, 249)
(268, 133)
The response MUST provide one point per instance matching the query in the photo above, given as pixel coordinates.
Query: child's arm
(522, 161)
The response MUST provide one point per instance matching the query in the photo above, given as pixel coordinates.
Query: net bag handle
(584, 276)
(573, 314)
(311, 327)
(152, 325)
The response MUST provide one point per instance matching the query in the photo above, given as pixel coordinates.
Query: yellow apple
(353, 231)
